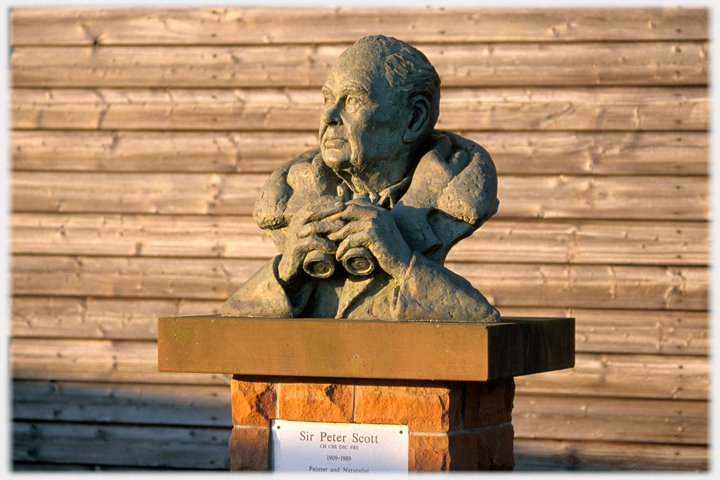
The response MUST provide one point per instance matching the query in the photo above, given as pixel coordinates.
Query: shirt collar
(387, 197)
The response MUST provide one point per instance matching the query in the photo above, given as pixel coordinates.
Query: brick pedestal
(462, 421)
(456, 426)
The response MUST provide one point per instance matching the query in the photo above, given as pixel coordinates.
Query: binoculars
(357, 261)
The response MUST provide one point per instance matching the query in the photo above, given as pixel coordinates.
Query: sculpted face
(363, 118)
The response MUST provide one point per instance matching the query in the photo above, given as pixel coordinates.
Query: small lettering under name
(355, 470)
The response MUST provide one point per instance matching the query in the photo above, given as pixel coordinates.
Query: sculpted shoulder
(453, 192)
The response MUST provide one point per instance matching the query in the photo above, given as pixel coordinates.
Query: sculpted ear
(418, 118)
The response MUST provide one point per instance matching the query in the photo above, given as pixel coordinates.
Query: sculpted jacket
(451, 192)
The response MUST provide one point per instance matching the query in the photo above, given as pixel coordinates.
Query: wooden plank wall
(140, 140)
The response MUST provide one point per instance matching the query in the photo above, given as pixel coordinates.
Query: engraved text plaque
(338, 447)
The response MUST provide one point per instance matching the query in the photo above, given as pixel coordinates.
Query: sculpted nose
(331, 114)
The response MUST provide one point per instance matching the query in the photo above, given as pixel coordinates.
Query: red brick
(316, 402)
(253, 403)
(428, 453)
(249, 449)
(489, 403)
(433, 453)
(423, 409)
(490, 449)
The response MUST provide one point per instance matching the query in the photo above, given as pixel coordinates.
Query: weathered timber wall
(141, 137)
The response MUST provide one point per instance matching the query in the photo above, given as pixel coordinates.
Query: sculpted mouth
(333, 142)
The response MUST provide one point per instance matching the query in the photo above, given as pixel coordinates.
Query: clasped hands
(329, 225)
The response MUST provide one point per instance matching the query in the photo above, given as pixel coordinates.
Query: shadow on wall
(63, 426)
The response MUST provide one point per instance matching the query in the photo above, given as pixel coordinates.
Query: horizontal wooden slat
(537, 108)
(21, 466)
(140, 235)
(627, 376)
(586, 242)
(546, 196)
(198, 405)
(590, 286)
(516, 153)
(534, 455)
(647, 198)
(92, 317)
(601, 153)
(632, 331)
(134, 446)
(258, 152)
(187, 193)
(513, 240)
(131, 277)
(637, 376)
(516, 285)
(611, 419)
(459, 65)
(596, 331)
(531, 241)
(138, 26)
(97, 361)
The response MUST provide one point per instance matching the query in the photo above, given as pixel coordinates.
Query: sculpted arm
(281, 288)
(373, 227)
(304, 236)
(426, 289)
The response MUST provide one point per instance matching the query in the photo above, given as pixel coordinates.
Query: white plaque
(338, 447)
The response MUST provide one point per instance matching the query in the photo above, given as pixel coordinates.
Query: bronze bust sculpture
(363, 224)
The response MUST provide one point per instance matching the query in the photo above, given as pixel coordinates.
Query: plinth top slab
(365, 349)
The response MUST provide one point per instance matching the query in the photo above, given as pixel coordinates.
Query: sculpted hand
(372, 227)
(304, 233)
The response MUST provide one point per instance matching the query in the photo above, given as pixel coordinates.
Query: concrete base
(454, 426)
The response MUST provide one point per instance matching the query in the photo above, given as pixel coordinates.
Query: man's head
(381, 100)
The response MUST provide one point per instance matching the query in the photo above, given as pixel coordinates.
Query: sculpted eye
(353, 103)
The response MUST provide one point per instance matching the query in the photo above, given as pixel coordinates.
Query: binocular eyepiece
(356, 261)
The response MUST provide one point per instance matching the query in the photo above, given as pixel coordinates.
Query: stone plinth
(450, 383)
(313, 347)
(454, 426)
